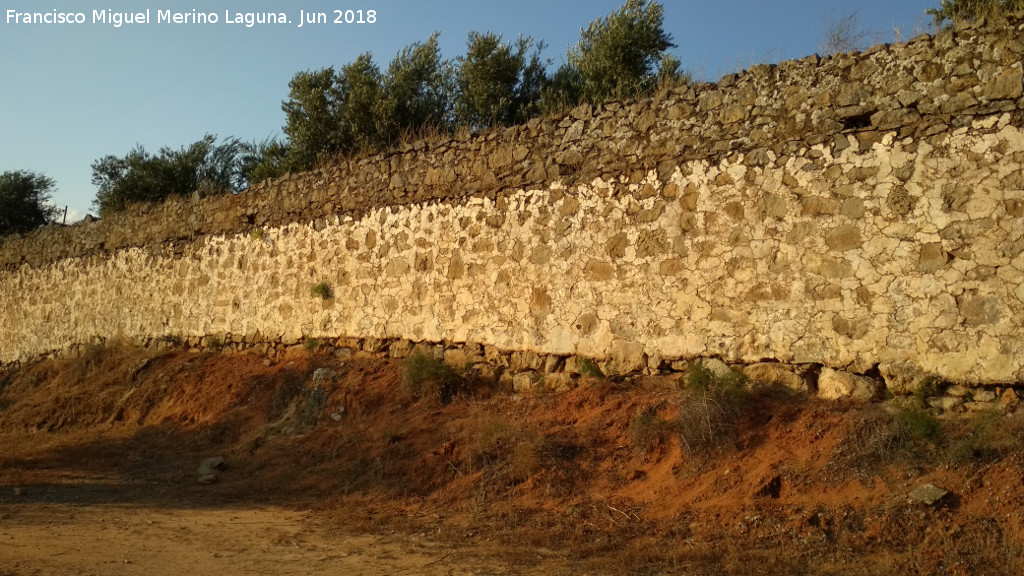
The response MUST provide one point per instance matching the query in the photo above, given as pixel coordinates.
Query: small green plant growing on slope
(321, 290)
(984, 438)
(902, 431)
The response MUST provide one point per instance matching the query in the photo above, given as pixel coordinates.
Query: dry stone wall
(863, 213)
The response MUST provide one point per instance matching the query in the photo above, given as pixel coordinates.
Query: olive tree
(617, 56)
(204, 166)
(952, 11)
(499, 83)
(25, 201)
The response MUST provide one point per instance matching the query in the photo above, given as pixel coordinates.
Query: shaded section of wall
(901, 253)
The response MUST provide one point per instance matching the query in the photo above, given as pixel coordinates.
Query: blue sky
(73, 93)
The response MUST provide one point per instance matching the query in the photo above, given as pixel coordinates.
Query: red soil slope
(345, 471)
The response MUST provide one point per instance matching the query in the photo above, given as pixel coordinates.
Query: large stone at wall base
(525, 360)
(901, 378)
(720, 369)
(774, 374)
(400, 349)
(525, 381)
(559, 382)
(839, 385)
(625, 357)
(1009, 401)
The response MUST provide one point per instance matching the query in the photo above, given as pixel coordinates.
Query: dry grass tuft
(709, 417)
(425, 377)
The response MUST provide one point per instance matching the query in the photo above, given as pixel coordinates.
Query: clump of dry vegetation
(427, 377)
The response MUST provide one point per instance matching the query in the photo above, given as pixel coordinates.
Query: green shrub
(902, 431)
(589, 368)
(311, 344)
(951, 12)
(426, 377)
(914, 423)
(321, 290)
(927, 388)
(316, 403)
(702, 380)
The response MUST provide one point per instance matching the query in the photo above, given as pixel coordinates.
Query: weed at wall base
(426, 377)
(172, 339)
(589, 368)
(709, 417)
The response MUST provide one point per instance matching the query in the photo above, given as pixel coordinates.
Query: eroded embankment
(694, 472)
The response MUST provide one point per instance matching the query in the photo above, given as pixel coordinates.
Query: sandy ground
(111, 539)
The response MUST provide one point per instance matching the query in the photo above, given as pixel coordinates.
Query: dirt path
(119, 540)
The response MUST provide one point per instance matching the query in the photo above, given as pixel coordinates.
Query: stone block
(400, 349)
(1009, 400)
(774, 374)
(719, 369)
(901, 377)
(1009, 85)
(559, 382)
(983, 395)
(625, 357)
(979, 310)
(522, 360)
(843, 238)
(526, 381)
(839, 385)
(933, 257)
(552, 363)
(945, 403)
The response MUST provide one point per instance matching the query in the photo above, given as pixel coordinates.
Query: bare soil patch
(336, 466)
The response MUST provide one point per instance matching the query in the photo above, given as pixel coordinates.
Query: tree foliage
(499, 83)
(205, 167)
(267, 159)
(25, 201)
(311, 116)
(360, 109)
(952, 11)
(417, 91)
(617, 56)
